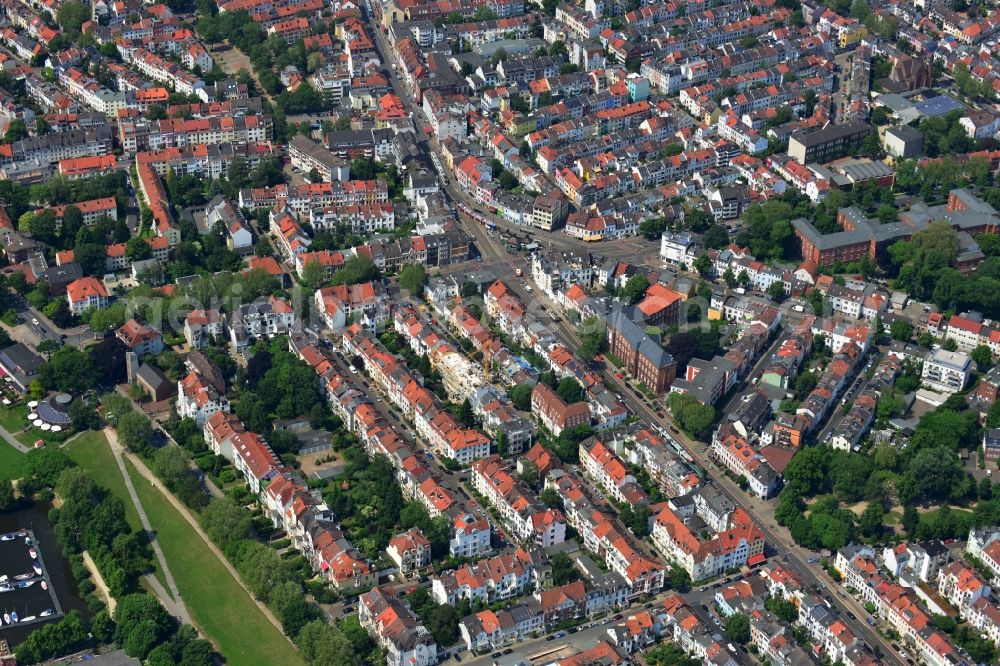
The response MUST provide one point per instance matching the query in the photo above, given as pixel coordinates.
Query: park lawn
(13, 417)
(222, 608)
(11, 461)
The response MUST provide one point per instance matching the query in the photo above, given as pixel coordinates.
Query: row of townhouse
(849, 353)
(525, 516)
(499, 578)
(785, 363)
(471, 528)
(91, 210)
(460, 377)
(545, 609)
(970, 332)
(201, 393)
(605, 468)
(313, 529)
(156, 199)
(49, 149)
(263, 318)
(431, 250)
(679, 532)
(857, 300)
(744, 460)
(209, 162)
(693, 636)
(642, 447)
(140, 134)
(367, 302)
(291, 238)
(899, 606)
(433, 423)
(101, 98)
(164, 71)
(301, 199)
(116, 258)
(396, 629)
(607, 538)
(759, 276)
(360, 218)
(854, 426)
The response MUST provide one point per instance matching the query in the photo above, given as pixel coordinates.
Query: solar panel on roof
(939, 106)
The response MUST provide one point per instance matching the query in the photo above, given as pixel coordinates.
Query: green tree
(7, 501)
(321, 643)
(901, 329)
(738, 628)
(569, 390)
(871, 519)
(69, 370)
(703, 265)
(71, 16)
(692, 416)
(982, 356)
(591, 332)
(563, 571)
(357, 269)
(141, 623)
(137, 249)
(225, 521)
(551, 498)
(635, 289)
(910, 519)
(520, 395)
(716, 236)
(652, 228)
(413, 277)
(135, 431)
(16, 130)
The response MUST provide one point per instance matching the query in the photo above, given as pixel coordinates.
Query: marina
(36, 583)
(27, 595)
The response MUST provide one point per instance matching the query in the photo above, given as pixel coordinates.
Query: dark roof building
(20, 365)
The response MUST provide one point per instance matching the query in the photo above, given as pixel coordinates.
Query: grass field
(11, 461)
(215, 600)
(13, 417)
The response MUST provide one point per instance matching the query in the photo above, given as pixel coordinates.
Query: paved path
(10, 439)
(141, 467)
(172, 600)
